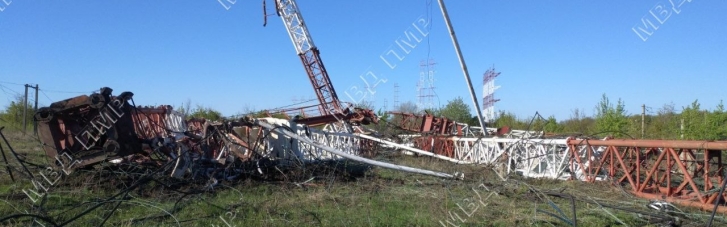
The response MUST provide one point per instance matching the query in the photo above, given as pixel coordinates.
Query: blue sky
(554, 57)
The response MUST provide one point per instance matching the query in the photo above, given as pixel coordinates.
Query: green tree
(408, 107)
(578, 123)
(664, 125)
(703, 124)
(694, 122)
(456, 110)
(611, 119)
(185, 108)
(384, 119)
(718, 122)
(206, 113)
(13, 113)
(510, 120)
(552, 126)
(475, 122)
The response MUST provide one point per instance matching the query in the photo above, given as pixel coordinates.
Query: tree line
(610, 119)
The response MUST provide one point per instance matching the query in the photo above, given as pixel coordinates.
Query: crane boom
(310, 56)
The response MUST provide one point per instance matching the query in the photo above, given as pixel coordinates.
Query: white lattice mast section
(488, 91)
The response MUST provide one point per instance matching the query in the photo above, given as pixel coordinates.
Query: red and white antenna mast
(310, 56)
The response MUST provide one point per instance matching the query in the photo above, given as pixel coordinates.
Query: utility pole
(25, 110)
(682, 129)
(35, 109)
(643, 117)
(25, 107)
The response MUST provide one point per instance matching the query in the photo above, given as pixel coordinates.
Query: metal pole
(415, 150)
(462, 63)
(716, 202)
(35, 124)
(7, 164)
(25, 110)
(643, 116)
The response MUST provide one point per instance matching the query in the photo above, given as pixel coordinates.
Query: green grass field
(380, 197)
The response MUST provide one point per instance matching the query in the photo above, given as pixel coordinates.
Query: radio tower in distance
(488, 91)
(396, 96)
(425, 86)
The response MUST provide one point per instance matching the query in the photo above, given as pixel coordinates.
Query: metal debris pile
(103, 129)
(88, 130)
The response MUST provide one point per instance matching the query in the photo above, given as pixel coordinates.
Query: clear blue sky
(554, 57)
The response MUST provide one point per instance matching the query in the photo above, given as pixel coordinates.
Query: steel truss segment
(285, 147)
(295, 136)
(530, 157)
(294, 24)
(676, 171)
(326, 94)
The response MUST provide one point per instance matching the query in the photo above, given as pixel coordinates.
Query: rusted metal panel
(159, 122)
(427, 124)
(441, 145)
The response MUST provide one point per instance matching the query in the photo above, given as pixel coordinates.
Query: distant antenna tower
(385, 105)
(396, 96)
(369, 97)
(488, 90)
(425, 86)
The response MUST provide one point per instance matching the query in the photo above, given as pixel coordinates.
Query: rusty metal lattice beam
(684, 172)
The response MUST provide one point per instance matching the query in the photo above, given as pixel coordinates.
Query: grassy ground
(381, 197)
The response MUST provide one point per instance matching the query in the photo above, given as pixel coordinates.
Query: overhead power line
(72, 92)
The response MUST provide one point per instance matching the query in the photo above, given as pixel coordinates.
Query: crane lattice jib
(310, 56)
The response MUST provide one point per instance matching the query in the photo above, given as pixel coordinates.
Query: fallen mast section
(688, 173)
(102, 128)
(98, 128)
